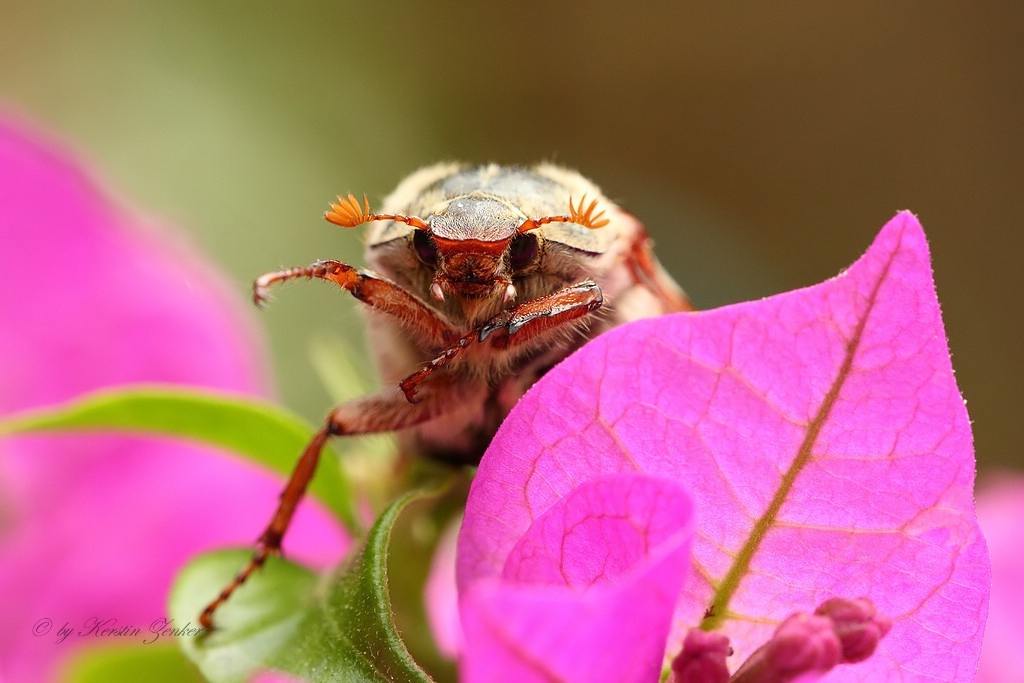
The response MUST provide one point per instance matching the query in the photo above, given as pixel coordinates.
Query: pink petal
(587, 593)
(94, 528)
(274, 677)
(1001, 514)
(846, 388)
(441, 600)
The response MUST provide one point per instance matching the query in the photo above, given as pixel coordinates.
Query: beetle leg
(514, 327)
(379, 294)
(382, 412)
(648, 273)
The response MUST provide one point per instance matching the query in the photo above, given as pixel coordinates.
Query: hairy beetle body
(487, 203)
(479, 282)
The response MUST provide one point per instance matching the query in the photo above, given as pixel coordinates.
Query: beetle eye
(523, 251)
(426, 249)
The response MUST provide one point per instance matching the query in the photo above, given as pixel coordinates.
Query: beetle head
(475, 243)
(468, 246)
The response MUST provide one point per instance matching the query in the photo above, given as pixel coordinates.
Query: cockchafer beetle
(486, 276)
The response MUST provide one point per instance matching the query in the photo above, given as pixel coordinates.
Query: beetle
(486, 277)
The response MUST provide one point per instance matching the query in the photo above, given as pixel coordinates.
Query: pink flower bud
(858, 625)
(803, 643)
(702, 659)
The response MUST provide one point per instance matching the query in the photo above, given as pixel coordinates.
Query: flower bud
(858, 625)
(702, 659)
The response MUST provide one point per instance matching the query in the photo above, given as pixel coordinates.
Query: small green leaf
(134, 662)
(260, 431)
(340, 628)
(255, 627)
(357, 610)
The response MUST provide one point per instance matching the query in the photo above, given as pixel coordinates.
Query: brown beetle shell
(523, 193)
(488, 203)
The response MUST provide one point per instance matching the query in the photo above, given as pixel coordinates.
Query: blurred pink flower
(1001, 515)
(441, 596)
(93, 528)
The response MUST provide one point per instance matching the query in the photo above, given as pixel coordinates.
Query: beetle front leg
(377, 293)
(516, 326)
(382, 412)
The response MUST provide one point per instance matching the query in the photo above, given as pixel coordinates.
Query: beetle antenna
(577, 215)
(348, 213)
(587, 218)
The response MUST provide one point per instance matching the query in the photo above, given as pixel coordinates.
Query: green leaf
(260, 431)
(135, 662)
(255, 627)
(284, 619)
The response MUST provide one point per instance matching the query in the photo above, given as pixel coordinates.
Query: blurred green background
(763, 143)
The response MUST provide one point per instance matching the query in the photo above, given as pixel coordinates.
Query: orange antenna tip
(587, 218)
(347, 212)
